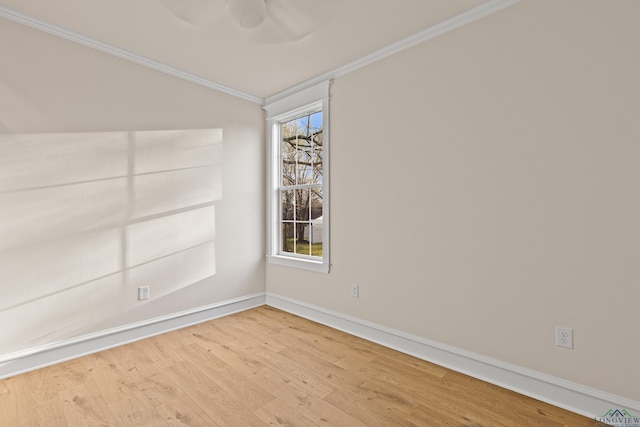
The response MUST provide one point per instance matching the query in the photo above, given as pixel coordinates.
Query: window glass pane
(302, 218)
(316, 160)
(316, 203)
(316, 145)
(287, 202)
(316, 223)
(316, 242)
(302, 245)
(304, 164)
(301, 150)
(288, 240)
(310, 243)
(288, 163)
(302, 205)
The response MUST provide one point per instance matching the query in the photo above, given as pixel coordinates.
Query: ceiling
(199, 39)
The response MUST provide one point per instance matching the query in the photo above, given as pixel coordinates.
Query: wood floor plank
(290, 369)
(231, 353)
(314, 407)
(115, 383)
(278, 413)
(173, 404)
(135, 410)
(407, 365)
(263, 367)
(178, 412)
(333, 375)
(318, 336)
(368, 408)
(83, 405)
(42, 407)
(239, 387)
(210, 397)
(65, 375)
(264, 337)
(8, 402)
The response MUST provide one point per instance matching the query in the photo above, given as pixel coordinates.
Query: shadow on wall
(87, 218)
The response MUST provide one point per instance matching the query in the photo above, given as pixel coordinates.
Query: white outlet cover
(564, 337)
(355, 290)
(143, 293)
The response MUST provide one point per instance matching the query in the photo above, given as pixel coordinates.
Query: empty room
(319, 212)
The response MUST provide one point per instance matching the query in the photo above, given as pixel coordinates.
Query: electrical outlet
(355, 290)
(564, 337)
(143, 293)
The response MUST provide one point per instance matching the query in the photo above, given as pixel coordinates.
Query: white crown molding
(488, 8)
(568, 395)
(47, 355)
(465, 18)
(84, 40)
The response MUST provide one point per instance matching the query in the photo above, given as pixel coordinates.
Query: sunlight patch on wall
(172, 252)
(86, 218)
(150, 190)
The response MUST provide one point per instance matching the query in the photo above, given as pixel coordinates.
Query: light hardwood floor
(262, 367)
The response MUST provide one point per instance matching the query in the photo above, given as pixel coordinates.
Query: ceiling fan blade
(194, 12)
(293, 20)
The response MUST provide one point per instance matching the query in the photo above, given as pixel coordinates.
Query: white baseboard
(571, 396)
(35, 358)
(574, 397)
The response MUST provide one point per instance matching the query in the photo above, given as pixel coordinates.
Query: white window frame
(310, 100)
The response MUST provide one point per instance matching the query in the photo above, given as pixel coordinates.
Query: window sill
(303, 264)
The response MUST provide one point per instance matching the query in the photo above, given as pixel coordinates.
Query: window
(298, 212)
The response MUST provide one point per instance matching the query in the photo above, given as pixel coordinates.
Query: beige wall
(485, 189)
(49, 86)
